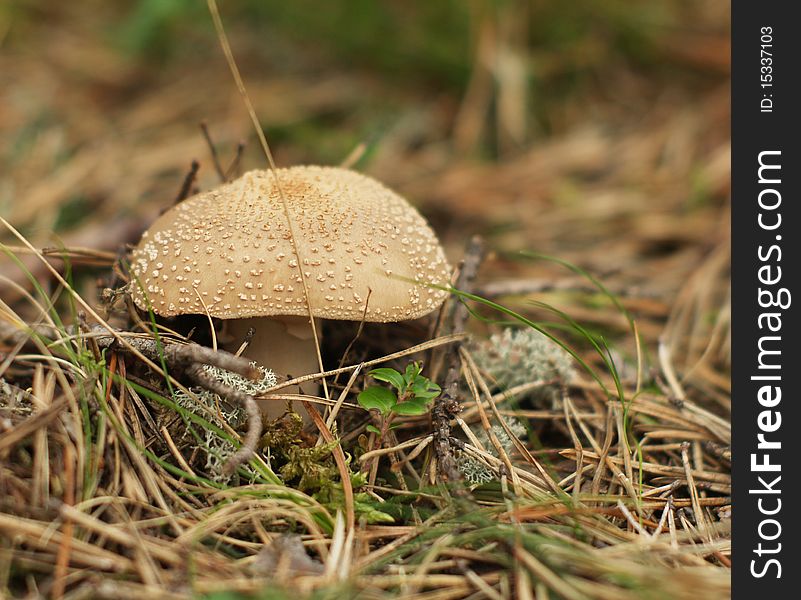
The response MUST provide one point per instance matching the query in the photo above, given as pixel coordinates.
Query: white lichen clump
(476, 472)
(519, 356)
(219, 411)
(240, 383)
(512, 358)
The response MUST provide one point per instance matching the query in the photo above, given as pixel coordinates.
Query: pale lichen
(476, 472)
(518, 356)
(219, 411)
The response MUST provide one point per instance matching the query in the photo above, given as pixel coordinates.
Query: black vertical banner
(766, 245)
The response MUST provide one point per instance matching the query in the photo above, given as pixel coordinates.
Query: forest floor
(601, 469)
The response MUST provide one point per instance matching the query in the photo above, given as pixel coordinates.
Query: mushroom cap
(231, 247)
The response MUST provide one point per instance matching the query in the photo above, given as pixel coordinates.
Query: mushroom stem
(283, 344)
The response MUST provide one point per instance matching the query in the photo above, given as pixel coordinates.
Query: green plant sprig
(411, 396)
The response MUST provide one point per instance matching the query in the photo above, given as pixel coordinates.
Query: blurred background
(596, 131)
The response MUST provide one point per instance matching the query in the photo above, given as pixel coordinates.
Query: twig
(186, 187)
(182, 355)
(215, 158)
(447, 406)
(233, 168)
(191, 358)
(248, 449)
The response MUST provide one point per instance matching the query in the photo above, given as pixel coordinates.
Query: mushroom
(230, 252)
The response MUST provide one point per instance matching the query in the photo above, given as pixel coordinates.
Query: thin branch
(215, 158)
(447, 406)
(189, 180)
(233, 168)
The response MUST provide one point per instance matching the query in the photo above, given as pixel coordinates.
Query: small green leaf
(424, 388)
(411, 407)
(391, 376)
(373, 429)
(378, 398)
(412, 371)
(429, 395)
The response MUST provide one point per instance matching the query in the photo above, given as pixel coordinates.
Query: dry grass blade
(229, 57)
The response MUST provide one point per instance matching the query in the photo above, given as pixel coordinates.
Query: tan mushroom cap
(232, 248)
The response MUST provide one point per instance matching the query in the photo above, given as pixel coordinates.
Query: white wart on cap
(231, 250)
